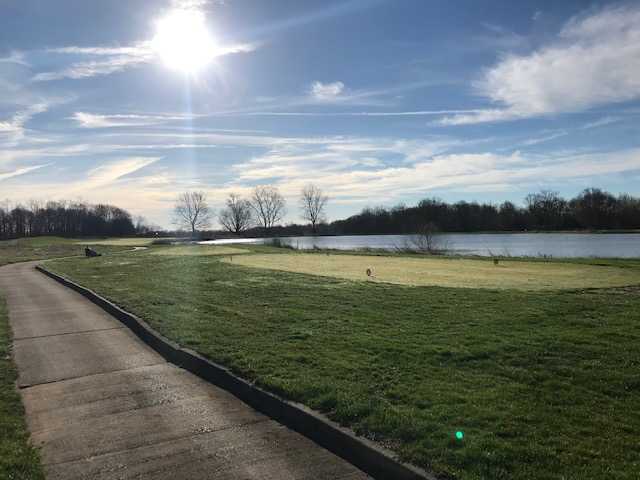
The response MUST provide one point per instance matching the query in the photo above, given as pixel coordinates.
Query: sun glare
(183, 42)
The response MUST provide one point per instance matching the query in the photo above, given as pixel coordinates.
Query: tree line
(592, 209)
(261, 212)
(65, 218)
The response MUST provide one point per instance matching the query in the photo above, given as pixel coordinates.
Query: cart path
(102, 405)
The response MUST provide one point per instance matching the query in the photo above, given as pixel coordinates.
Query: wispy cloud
(499, 37)
(601, 122)
(545, 138)
(105, 60)
(112, 171)
(21, 171)
(93, 120)
(326, 92)
(594, 61)
(13, 129)
(92, 68)
(347, 181)
(17, 122)
(409, 113)
(15, 57)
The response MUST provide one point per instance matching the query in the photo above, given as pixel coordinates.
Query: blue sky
(376, 101)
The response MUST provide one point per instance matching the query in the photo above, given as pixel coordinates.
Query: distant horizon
(593, 209)
(377, 102)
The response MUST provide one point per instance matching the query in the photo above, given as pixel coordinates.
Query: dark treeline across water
(67, 219)
(592, 209)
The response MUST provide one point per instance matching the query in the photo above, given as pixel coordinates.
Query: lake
(625, 245)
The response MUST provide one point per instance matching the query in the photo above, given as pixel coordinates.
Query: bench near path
(102, 405)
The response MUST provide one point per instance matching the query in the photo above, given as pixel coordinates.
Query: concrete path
(103, 405)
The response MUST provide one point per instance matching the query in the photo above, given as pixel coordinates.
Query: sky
(378, 102)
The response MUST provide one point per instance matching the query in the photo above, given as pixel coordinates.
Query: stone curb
(364, 454)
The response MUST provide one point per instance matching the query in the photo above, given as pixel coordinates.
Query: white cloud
(402, 168)
(326, 92)
(21, 171)
(489, 115)
(17, 122)
(105, 60)
(601, 122)
(594, 61)
(408, 113)
(110, 172)
(13, 129)
(545, 138)
(134, 51)
(110, 60)
(15, 57)
(93, 120)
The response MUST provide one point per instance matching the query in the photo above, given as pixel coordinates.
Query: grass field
(118, 242)
(24, 249)
(449, 272)
(40, 248)
(198, 250)
(18, 460)
(545, 384)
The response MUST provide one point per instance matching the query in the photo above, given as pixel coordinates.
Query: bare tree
(268, 205)
(237, 215)
(426, 240)
(312, 204)
(192, 211)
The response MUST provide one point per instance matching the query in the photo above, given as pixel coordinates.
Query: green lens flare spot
(459, 435)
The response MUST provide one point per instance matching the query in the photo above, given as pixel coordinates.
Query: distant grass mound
(118, 242)
(449, 272)
(25, 249)
(197, 250)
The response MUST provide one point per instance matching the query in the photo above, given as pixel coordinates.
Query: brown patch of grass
(449, 272)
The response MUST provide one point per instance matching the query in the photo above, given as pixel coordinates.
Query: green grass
(198, 250)
(544, 384)
(448, 272)
(25, 249)
(40, 248)
(118, 242)
(18, 459)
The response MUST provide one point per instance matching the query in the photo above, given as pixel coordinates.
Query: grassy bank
(40, 248)
(543, 384)
(18, 460)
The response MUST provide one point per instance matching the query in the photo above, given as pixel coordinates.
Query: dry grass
(118, 242)
(197, 250)
(448, 272)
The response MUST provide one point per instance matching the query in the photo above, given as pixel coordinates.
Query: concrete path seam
(16, 339)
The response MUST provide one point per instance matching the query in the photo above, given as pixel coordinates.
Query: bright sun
(183, 41)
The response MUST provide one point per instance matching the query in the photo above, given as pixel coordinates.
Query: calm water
(516, 244)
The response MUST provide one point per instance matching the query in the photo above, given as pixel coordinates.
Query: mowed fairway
(543, 383)
(448, 272)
